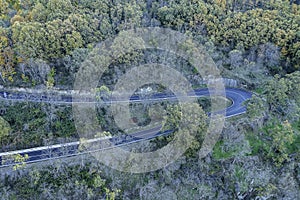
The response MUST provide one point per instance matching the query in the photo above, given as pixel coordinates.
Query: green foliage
(266, 190)
(281, 93)
(52, 29)
(276, 91)
(234, 29)
(4, 129)
(47, 41)
(3, 8)
(276, 143)
(60, 33)
(27, 123)
(38, 13)
(33, 124)
(125, 48)
(63, 124)
(294, 148)
(256, 144)
(102, 93)
(255, 108)
(282, 136)
(189, 120)
(219, 152)
(206, 103)
(171, 121)
(18, 161)
(7, 57)
(58, 9)
(66, 181)
(50, 79)
(293, 81)
(87, 26)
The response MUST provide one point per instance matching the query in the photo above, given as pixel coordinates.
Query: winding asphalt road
(237, 96)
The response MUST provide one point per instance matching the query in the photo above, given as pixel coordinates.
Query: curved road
(237, 96)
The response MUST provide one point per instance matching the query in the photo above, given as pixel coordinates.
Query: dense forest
(43, 44)
(39, 35)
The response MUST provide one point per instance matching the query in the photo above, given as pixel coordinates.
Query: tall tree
(4, 129)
